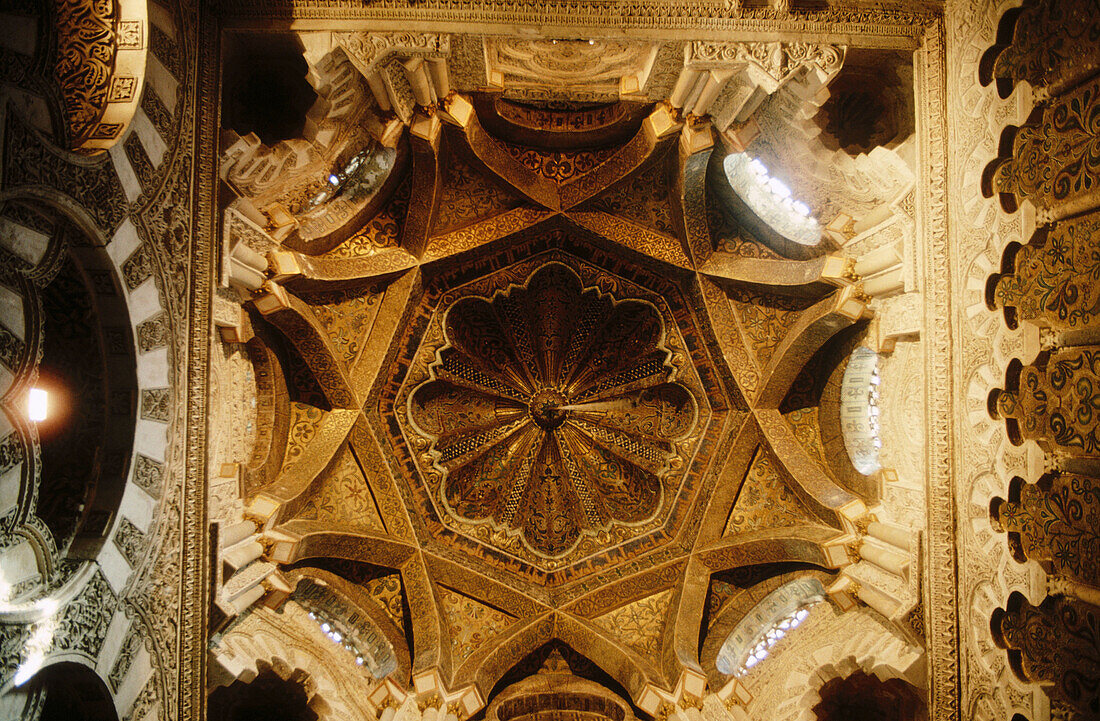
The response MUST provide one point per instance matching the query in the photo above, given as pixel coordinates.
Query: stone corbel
(696, 136)
(839, 271)
(243, 577)
(428, 700)
(247, 269)
(736, 698)
(456, 109)
(283, 265)
(662, 122)
(683, 703)
(422, 57)
(729, 80)
(883, 572)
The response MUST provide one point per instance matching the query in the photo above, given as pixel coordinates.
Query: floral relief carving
(1055, 522)
(1056, 644)
(1054, 280)
(1051, 46)
(552, 410)
(1055, 402)
(1055, 158)
(86, 54)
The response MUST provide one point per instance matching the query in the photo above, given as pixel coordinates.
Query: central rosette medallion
(551, 412)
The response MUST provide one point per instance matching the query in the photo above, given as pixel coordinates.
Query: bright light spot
(779, 188)
(591, 42)
(38, 402)
(771, 199)
(37, 646)
(333, 180)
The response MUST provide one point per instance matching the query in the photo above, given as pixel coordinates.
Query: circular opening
(769, 622)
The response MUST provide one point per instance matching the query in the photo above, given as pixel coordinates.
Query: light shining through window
(38, 403)
(771, 199)
(329, 628)
(772, 636)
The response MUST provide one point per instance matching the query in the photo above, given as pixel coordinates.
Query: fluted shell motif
(552, 410)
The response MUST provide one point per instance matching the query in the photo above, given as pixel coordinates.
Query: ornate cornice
(870, 27)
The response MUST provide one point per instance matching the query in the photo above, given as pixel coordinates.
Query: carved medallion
(552, 410)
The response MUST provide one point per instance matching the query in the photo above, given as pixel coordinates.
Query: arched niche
(574, 670)
(865, 697)
(270, 695)
(65, 691)
(554, 693)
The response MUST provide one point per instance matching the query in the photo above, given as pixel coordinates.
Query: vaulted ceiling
(534, 374)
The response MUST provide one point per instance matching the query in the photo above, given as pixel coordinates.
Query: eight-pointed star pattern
(546, 408)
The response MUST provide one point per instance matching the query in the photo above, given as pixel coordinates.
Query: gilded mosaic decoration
(551, 411)
(552, 415)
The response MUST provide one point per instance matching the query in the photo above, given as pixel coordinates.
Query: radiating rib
(461, 371)
(624, 492)
(647, 454)
(464, 449)
(475, 330)
(553, 307)
(648, 371)
(477, 489)
(664, 412)
(590, 315)
(511, 311)
(631, 329)
(548, 515)
(441, 408)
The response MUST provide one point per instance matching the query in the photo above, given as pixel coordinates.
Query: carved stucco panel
(983, 456)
